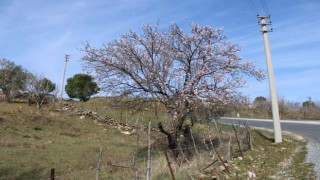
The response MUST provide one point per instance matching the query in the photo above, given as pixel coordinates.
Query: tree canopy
(261, 102)
(309, 104)
(39, 88)
(260, 99)
(81, 86)
(12, 78)
(178, 69)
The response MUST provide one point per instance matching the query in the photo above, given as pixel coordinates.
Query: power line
(253, 7)
(265, 7)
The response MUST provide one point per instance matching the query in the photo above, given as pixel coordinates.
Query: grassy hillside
(33, 142)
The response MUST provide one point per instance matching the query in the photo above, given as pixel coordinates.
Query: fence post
(238, 141)
(218, 156)
(149, 152)
(53, 174)
(98, 166)
(169, 165)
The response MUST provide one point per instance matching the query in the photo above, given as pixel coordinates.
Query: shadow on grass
(264, 136)
(36, 173)
(5, 173)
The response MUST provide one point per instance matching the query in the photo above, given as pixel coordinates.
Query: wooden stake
(249, 137)
(169, 165)
(194, 144)
(98, 166)
(149, 152)
(238, 142)
(53, 174)
(217, 154)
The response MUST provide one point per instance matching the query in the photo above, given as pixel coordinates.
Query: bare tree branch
(178, 69)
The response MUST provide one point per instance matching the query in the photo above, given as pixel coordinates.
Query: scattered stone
(126, 132)
(65, 108)
(100, 120)
(212, 177)
(240, 158)
(236, 167)
(251, 175)
(202, 176)
(251, 159)
(222, 168)
(134, 132)
(94, 113)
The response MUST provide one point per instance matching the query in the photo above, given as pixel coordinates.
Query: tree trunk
(172, 138)
(38, 105)
(8, 98)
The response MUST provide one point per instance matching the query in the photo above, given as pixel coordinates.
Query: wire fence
(137, 166)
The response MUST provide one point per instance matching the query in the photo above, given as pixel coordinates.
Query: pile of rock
(92, 115)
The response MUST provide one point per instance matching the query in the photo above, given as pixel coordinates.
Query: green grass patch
(33, 142)
(31, 146)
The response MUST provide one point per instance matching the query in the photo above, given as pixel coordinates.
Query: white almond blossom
(180, 70)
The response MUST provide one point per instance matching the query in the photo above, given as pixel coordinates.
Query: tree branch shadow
(10, 173)
(264, 136)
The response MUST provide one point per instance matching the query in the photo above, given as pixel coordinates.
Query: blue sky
(38, 33)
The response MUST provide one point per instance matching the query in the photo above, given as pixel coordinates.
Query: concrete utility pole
(64, 73)
(272, 86)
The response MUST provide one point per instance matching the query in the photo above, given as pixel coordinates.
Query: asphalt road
(308, 129)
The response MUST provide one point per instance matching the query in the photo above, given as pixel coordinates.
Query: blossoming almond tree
(180, 70)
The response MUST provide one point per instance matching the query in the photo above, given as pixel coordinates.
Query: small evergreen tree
(308, 104)
(81, 86)
(260, 102)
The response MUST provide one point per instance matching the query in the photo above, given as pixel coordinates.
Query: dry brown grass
(32, 142)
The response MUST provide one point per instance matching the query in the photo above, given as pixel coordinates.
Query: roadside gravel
(313, 145)
(313, 155)
(310, 130)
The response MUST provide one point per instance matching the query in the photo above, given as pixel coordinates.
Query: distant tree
(12, 78)
(261, 102)
(176, 69)
(283, 107)
(81, 86)
(260, 99)
(308, 105)
(39, 88)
